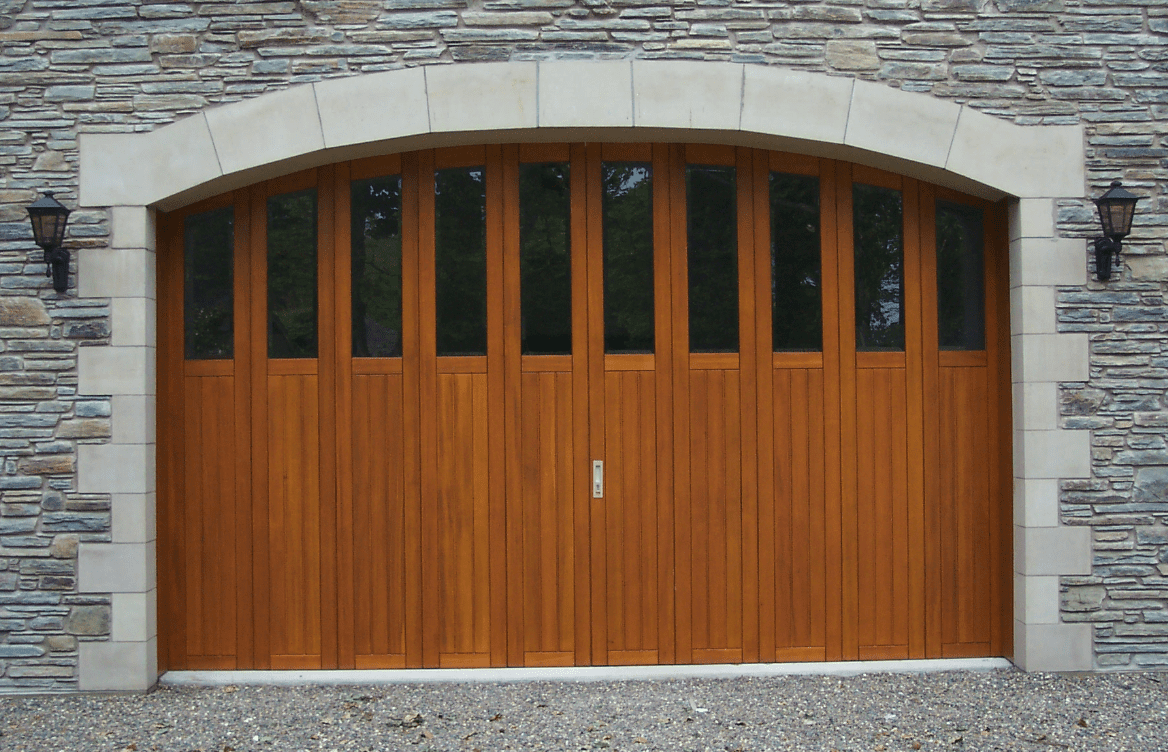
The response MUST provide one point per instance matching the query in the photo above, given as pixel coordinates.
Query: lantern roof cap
(47, 202)
(1117, 192)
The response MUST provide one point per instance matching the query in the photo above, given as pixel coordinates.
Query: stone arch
(237, 144)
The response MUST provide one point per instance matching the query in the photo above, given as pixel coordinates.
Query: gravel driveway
(995, 710)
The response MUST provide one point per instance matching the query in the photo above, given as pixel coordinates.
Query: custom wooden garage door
(385, 385)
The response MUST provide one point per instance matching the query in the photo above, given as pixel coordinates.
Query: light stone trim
(125, 467)
(1044, 453)
(752, 105)
(319, 123)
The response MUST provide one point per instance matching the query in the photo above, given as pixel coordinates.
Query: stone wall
(72, 66)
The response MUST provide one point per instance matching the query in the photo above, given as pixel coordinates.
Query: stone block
(1052, 647)
(1052, 454)
(88, 620)
(291, 129)
(22, 312)
(116, 468)
(489, 96)
(1052, 551)
(1036, 599)
(599, 95)
(1045, 162)
(123, 169)
(795, 104)
(115, 567)
(116, 370)
(373, 107)
(687, 95)
(116, 273)
(1050, 357)
(132, 227)
(1048, 262)
(131, 666)
(877, 123)
(1032, 310)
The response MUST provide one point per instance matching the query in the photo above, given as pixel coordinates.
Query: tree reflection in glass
(878, 226)
(545, 263)
(292, 275)
(797, 308)
(712, 250)
(208, 299)
(460, 259)
(628, 256)
(960, 277)
(377, 275)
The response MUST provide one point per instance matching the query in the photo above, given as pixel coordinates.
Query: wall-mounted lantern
(1117, 208)
(49, 216)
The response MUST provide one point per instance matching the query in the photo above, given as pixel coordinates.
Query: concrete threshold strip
(575, 673)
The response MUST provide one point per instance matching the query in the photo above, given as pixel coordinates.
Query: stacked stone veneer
(88, 66)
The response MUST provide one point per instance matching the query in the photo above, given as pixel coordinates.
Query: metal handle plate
(597, 479)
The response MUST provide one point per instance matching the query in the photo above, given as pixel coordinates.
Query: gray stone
(852, 54)
(1151, 484)
(88, 620)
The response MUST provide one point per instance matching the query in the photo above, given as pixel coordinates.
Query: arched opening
(388, 382)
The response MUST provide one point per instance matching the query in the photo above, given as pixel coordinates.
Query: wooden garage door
(582, 404)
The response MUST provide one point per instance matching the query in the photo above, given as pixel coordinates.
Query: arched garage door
(586, 404)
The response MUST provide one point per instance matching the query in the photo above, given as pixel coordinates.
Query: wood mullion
(512, 403)
(258, 272)
(244, 430)
(930, 384)
(428, 397)
(340, 251)
(593, 186)
(831, 262)
(764, 380)
(915, 395)
(582, 398)
(846, 307)
(748, 402)
(679, 348)
(412, 431)
(496, 367)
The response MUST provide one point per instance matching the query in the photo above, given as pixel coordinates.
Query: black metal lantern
(49, 217)
(1117, 209)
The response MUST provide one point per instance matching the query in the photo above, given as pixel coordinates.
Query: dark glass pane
(377, 274)
(545, 258)
(878, 224)
(960, 287)
(712, 240)
(628, 257)
(292, 275)
(796, 306)
(460, 258)
(208, 305)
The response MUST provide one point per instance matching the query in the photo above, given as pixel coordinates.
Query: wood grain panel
(462, 554)
(379, 534)
(210, 531)
(800, 601)
(630, 525)
(546, 454)
(294, 521)
(715, 494)
(964, 505)
(882, 550)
